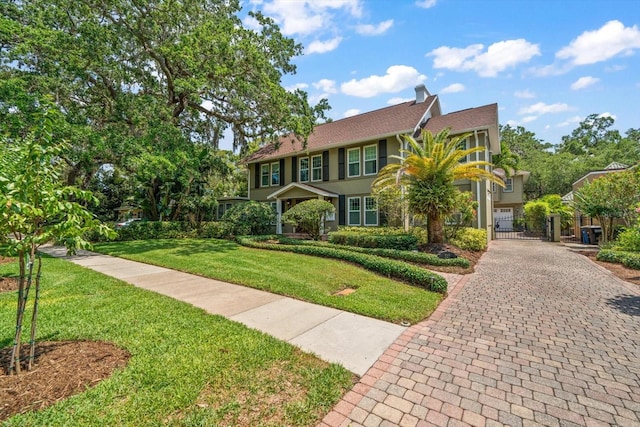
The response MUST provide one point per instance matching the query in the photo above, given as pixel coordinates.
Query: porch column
(278, 216)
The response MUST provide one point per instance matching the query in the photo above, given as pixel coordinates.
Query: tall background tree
(150, 87)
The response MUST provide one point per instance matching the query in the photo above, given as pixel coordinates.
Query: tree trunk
(435, 226)
(34, 316)
(23, 293)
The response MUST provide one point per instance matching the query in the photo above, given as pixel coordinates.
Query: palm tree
(428, 170)
(507, 160)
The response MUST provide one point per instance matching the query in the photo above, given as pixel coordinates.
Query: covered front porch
(294, 193)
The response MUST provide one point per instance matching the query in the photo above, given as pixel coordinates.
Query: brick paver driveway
(537, 336)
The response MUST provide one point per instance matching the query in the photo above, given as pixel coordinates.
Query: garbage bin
(585, 236)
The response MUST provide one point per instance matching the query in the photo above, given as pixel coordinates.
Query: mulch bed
(62, 369)
(471, 256)
(625, 273)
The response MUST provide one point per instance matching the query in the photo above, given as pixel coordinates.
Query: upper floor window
(371, 160)
(508, 185)
(275, 174)
(464, 145)
(264, 175)
(353, 158)
(316, 168)
(304, 169)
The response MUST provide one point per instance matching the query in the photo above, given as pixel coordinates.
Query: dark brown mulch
(8, 284)
(471, 256)
(625, 273)
(62, 369)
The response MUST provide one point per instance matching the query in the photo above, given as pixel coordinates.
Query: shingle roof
(381, 123)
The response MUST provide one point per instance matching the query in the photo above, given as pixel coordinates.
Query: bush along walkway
(398, 270)
(538, 335)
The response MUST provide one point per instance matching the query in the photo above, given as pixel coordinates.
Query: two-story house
(342, 158)
(508, 201)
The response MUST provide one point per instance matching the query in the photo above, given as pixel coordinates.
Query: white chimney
(421, 93)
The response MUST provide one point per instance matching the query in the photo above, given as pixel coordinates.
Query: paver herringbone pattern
(537, 336)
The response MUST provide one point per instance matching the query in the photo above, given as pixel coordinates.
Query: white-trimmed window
(353, 204)
(330, 216)
(304, 169)
(370, 211)
(370, 159)
(316, 168)
(464, 145)
(353, 161)
(508, 185)
(275, 174)
(264, 175)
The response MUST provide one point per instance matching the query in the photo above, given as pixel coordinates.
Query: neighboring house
(342, 158)
(128, 212)
(508, 202)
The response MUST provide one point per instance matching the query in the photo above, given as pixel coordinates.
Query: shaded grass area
(186, 368)
(307, 278)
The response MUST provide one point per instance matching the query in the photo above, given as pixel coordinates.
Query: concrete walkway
(353, 341)
(538, 335)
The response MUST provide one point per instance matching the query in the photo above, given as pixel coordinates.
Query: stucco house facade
(342, 158)
(508, 201)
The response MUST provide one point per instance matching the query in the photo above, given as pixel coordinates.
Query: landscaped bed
(174, 364)
(307, 278)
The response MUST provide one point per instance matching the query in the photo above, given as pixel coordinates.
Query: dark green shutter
(325, 165)
(294, 169)
(342, 210)
(257, 175)
(281, 177)
(382, 153)
(340, 163)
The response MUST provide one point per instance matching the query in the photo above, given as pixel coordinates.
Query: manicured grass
(187, 368)
(303, 277)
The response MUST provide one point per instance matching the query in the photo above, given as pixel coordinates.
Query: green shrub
(398, 270)
(309, 216)
(404, 242)
(147, 230)
(629, 240)
(471, 239)
(536, 213)
(628, 259)
(214, 230)
(408, 256)
(252, 218)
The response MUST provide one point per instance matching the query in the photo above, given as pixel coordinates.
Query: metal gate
(516, 227)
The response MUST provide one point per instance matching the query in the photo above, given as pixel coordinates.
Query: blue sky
(547, 63)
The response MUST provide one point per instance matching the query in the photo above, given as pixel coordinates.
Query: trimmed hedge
(628, 259)
(147, 230)
(470, 239)
(408, 256)
(394, 269)
(403, 242)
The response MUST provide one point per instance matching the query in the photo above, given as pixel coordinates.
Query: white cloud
(512, 123)
(397, 78)
(318, 46)
(542, 108)
(607, 114)
(570, 121)
(351, 112)
(326, 85)
(614, 68)
(453, 88)
(307, 17)
(426, 4)
(610, 40)
(398, 100)
(498, 57)
(584, 82)
(292, 88)
(524, 94)
(374, 30)
(529, 119)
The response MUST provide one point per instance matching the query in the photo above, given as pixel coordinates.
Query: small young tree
(37, 209)
(391, 206)
(464, 214)
(309, 216)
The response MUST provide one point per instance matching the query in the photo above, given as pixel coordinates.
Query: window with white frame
(463, 145)
(370, 159)
(304, 169)
(354, 210)
(331, 216)
(275, 174)
(508, 185)
(316, 168)
(264, 174)
(353, 160)
(370, 211)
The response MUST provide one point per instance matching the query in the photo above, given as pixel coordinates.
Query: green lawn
(303, 277)
(187, 368)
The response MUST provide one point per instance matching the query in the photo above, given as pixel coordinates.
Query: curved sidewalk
(353, 341)
(538, 335)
